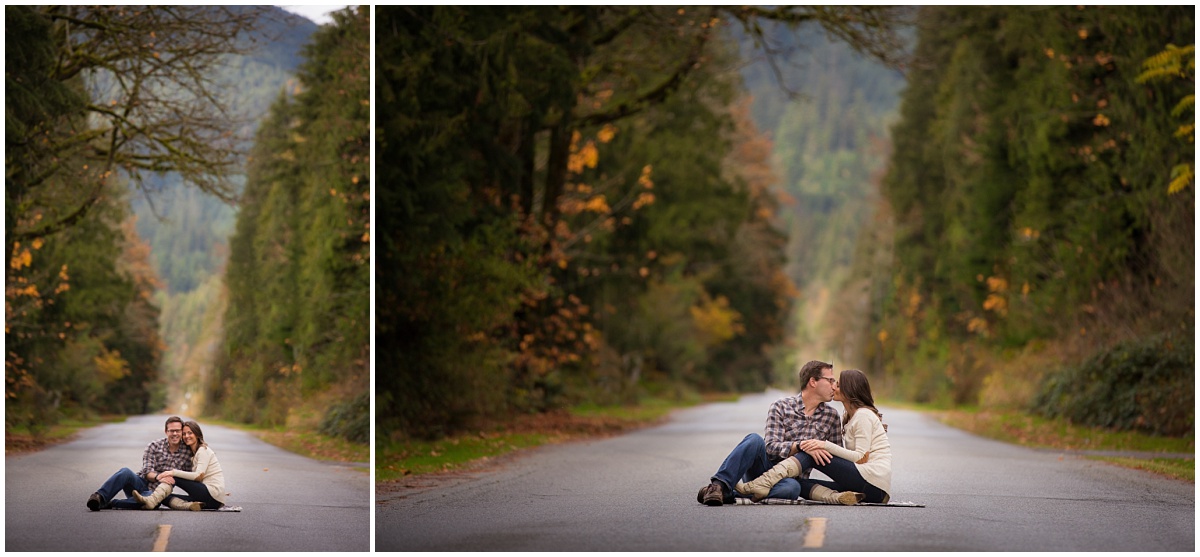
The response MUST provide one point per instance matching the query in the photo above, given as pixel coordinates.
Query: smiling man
(164, 454)
(790, 421)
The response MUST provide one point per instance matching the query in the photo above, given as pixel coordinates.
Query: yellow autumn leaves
(586, 155)
(716, 321)
(21, 286)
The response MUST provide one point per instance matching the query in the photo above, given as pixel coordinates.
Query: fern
(1157, 74)
(1168, 64)
(1181, 177)
(1175, 62)
(1185, 104)
(1186, 130)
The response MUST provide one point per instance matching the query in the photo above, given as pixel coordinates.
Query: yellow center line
(160, 537)
(816, 532)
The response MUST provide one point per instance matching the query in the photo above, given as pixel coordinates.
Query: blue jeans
(196, 491)
(123, 481)
(845, 477)
(749, 460)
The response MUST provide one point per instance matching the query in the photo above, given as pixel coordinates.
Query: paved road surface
(638, 492)
(290, 503)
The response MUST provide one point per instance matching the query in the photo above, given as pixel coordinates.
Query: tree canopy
(1029, 188)
(297, 320)
(573, 206)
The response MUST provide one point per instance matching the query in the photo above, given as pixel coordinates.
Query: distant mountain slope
(831, 145)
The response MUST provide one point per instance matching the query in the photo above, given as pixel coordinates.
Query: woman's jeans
(197, 491)
(845, 477)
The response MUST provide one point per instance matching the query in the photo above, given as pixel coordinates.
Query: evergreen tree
(297, 321)
(1027, 188)
(555, 207)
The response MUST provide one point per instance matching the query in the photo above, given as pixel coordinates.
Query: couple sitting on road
(804, 433)
(167, 463)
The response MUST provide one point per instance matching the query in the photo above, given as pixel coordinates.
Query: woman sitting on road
(205, 484)
(861, 471)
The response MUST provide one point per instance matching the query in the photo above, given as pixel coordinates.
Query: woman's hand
(816, 449)
(810, 444)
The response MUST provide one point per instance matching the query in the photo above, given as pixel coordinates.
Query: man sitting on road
(790, 421)
(161, 455)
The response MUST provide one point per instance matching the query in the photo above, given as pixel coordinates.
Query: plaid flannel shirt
(787, 424)
(159, 458)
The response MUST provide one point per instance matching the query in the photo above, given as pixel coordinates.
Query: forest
(576, 206)
(128, 135)
(1041, 204)
(976, 206)
(297, 318)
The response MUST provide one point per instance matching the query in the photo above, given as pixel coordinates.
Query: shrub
(1146, 385)
(350, 419)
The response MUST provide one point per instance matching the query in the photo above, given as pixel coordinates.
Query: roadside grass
(398, 458)
(20, 439)
(306, 443)
(1179, 468)
(1028, 430)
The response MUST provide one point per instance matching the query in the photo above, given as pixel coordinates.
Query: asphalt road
(290, 503)
(637, 492)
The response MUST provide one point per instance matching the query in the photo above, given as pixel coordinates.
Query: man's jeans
(748, 461)
(124, 480)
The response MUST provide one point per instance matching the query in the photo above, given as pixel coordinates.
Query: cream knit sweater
(206, 467)
(864, 432)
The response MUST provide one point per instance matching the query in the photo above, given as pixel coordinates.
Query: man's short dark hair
(812, 370)
(167, 425)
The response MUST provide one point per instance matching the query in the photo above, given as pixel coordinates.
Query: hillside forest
(134, 153)
(975, 206)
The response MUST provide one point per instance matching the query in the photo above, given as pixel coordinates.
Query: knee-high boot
(181, 505)
(161, 492)
(822, 493)
(760, 487)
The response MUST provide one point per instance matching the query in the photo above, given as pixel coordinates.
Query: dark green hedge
(1144, 385)
(350, 420)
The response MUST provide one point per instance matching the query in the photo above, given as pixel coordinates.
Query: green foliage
(1177, 64)
(34, 100)
(1145, 385)
(568, 220)
(350, 419)
(297, 321)
(86, 336)
(448, 276)
(1026, 188)
(80, 332)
